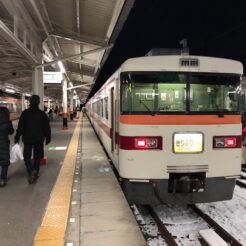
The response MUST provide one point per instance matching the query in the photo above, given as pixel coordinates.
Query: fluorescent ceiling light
(10, 90)
(27, 94)
(62, 69)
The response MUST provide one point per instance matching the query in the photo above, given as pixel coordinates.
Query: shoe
(3, 183)
(35, 176)
(32, 178)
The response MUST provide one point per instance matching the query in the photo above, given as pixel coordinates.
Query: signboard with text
(52, 77)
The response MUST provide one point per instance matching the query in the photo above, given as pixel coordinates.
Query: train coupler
(186, 182)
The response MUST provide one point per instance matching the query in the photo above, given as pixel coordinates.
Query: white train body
(172, 127)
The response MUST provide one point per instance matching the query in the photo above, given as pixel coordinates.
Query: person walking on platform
(6, 128)
(34, 128)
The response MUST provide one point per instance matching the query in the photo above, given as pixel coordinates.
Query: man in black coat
(6, 128)
(34, 128)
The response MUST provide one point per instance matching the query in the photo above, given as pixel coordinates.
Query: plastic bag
(16, 153)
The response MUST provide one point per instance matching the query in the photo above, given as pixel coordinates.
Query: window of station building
(106, 108)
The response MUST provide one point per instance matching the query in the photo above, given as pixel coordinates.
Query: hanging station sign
(52, 77)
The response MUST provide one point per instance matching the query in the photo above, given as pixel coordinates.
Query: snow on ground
(243, 174)
(185, 224)
(231, 215)
(242, 181)
(148, 227)
(182, 223)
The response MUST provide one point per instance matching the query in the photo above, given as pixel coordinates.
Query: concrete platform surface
(22, 205)
(106, 218)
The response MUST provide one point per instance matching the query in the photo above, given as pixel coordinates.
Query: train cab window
(171, 97)
(214, 93)
(162, 92)
(153, 92)
(143, 97)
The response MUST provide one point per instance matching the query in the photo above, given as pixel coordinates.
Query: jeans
(37, 155)
(4, 172)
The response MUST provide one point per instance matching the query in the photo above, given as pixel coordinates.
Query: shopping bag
(16, 153)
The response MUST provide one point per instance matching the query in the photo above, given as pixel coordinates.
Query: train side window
(106, 107)
(101, 108)
(98, 110)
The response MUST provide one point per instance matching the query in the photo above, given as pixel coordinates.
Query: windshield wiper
(151, 112)
(220, 111)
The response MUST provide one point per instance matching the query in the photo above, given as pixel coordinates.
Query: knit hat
(34, 100)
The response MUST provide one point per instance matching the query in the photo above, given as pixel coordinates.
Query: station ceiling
(51, 30)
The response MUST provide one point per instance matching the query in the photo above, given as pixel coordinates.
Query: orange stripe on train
(179, 119)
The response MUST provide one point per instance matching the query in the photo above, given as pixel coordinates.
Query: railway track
(165, 234)
(241, 183)
(242, 180)
(172, 240)
(217, 228)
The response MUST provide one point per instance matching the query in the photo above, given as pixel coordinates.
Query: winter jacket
(6, 128)
(33, 126)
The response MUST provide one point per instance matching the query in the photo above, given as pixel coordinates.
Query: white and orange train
(13, 103)
(172, 127)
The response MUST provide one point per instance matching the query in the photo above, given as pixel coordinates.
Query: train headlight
(146, 143)
(227, 142)
(140, 142)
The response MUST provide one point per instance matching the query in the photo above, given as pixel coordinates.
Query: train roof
(183, 64)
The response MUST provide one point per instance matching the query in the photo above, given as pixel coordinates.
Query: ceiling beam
(78, 86)
(74, 56)
(16, 7)
(85, 39)
(12, 59)
(116, 13)
(6, 33)
(79, 73)
(85, 61)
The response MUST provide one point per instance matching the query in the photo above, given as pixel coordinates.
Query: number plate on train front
(188, 143)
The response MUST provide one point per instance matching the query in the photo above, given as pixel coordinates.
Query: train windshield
(162, 92)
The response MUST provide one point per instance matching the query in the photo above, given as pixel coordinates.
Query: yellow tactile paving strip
(53, 227)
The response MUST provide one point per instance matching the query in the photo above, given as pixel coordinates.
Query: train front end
(180, 130)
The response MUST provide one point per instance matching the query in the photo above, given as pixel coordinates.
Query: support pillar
(64, 104)
(38, 86)
(23, 106)
(71, 105)
(37, 76)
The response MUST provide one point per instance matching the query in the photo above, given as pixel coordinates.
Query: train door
(117, 126)
(112, 120)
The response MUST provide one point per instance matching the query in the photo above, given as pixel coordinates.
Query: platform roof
(65, 28)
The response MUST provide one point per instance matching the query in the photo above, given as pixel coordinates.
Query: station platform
(76, 201)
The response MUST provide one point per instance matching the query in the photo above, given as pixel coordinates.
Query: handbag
(16, 153)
